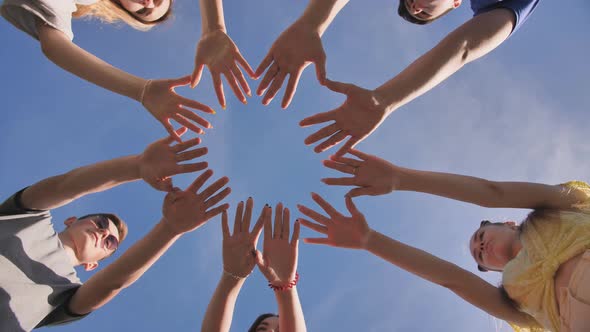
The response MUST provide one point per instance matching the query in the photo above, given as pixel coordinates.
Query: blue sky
(520, 113)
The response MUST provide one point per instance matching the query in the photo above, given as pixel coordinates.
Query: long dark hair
(259, 320)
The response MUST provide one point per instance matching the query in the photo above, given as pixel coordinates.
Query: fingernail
(214, 112)
(223, 107)
(245, 101)
(249, 93)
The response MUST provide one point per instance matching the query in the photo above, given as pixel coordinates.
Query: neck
(516, 245)
(70, 247)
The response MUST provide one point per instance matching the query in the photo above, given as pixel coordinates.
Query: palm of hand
(297, 47)
(280, 259)
(158, 161)
(360, 114)
(377, 173)
(216, 50)
(237, 254)
(347, 232)
(184, 211)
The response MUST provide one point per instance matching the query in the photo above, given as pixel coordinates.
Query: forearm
(291, 317)
(107, 283)
(211, 16)
(472, 40)
(221, 308)
(59, 190)
(67, 55)
(319, 14)
(483, 192)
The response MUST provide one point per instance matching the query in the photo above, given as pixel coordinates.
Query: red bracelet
(289, 285)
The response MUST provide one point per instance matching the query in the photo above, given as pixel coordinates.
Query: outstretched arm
(155, 165)
(353, 232)
(238, 262)
(375, 176)
(278, 263)
(157, 96)
(364, 110)
(183, 211)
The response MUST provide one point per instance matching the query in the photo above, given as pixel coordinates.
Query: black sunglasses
(102, 222)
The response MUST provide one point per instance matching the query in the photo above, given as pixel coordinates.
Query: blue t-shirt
(522, 9)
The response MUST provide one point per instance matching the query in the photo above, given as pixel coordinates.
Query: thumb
(338, 86)
(320, 70)
(196, 76)
(179, 81)
(260, 260)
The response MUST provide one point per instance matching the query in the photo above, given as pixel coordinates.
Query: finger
(191, 154)
(347, 146)
(313, 226)
(362, 191)
(259, 260)
(247, 215)
(338, 86)
(286, 228)
(196, 76)
(217, 198)
(322, 133)
(325, 205)
(224, 225)
(238, 217)
(359, 154)
(330, 142)
(190, 168)
(162, 185)
(170, 197)
(278, 226)
(185, 122)
(199, 181)
(339, 181)
(339, 166)
(218, 89)
(320, 69)
(195, 104)
(264, 214)
(268, 77)
(313, 214)
(296, 231)
(215, 211)
(348, 161)
(317, 240)
(213, 188)
(291, 87)
(318, 118)
(168, 126)
(181, 81)
(233, 84)
(241, 79)
(169, 139)
(242, 61)
(194, 117)
(186, 144)
(351, 207)
(263, 65)
(274, 87)
(268, 227)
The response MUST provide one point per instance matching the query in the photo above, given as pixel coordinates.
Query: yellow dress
(547, 242)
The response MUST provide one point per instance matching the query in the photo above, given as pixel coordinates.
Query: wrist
(383, 100)
(310, 24)
(229, 279)
(168, 229)
(213, 28)
(368, 240)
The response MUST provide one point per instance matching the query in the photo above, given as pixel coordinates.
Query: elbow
(50, 40)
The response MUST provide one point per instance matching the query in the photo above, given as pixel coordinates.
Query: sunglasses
(111, 241)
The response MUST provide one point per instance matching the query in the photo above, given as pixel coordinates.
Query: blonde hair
(110, 11)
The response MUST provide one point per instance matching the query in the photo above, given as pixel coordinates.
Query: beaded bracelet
(237, 277)
(289, 285)
(145, 86)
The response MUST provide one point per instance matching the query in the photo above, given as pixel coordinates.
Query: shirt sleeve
(521, 9)
(62, 314)
(584, 189)
(24, 14)
(14, 206)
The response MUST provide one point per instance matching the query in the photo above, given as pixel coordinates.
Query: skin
(146, 10)
(493, 246)
(270, 324)
(428, 10)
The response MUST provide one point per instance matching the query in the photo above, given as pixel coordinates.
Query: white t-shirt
(55, 13)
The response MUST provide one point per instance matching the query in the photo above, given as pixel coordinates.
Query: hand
(358, 117)
(219, 53)
(278, 263)
(164, 104)
(160, 161)
(295, 49)
(185, 211)
(345, 232)
(372, 175)
(239, 249)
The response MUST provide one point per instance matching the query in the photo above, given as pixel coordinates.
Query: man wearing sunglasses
(38, 282)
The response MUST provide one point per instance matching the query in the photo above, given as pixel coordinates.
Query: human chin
(131, 5)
